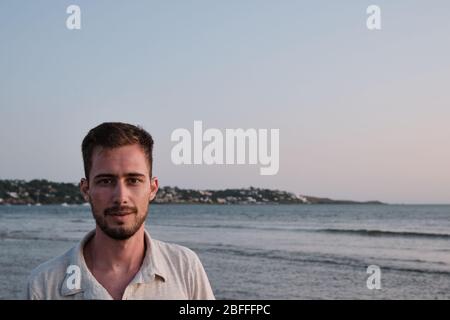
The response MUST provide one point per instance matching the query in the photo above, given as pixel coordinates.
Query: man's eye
(134, 181)
(105, 181)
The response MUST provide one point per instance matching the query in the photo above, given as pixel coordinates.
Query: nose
(120, 194)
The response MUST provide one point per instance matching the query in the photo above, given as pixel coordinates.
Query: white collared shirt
(168, 271)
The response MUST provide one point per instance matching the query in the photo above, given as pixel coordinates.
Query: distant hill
(16, 192)
(39, 191)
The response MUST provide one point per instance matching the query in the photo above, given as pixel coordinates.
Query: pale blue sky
(362, 114)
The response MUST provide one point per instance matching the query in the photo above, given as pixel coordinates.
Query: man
(119, 259)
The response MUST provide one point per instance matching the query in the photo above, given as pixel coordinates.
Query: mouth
(120, 217)
(120, 213)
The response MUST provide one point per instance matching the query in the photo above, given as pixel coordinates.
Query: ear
(154, 185)
(84, 188)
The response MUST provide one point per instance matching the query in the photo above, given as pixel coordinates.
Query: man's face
(119, 190)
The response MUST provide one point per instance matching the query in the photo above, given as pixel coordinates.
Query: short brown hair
(111, 135)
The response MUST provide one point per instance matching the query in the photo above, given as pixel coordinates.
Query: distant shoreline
(44, 192)
(218, 204)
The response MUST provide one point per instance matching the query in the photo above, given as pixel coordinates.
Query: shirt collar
(153, 265)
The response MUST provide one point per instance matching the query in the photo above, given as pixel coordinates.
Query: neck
(108, 254)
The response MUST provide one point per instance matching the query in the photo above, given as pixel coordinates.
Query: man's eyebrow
(135, 174)
(108, 175)
(104, 175)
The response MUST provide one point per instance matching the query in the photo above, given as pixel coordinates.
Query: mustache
(120, 210)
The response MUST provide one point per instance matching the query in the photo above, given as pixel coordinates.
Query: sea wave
(358, 232)
(386, 233)
(399, 265)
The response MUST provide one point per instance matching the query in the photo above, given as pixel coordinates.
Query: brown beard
(119, 232)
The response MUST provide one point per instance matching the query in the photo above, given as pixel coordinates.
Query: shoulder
(184, 265)
(52, 266)
(176, 252)
(48, 276)
(172, 258)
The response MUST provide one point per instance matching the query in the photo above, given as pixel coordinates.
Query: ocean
(264, 251)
